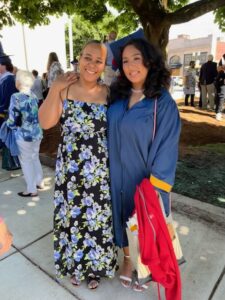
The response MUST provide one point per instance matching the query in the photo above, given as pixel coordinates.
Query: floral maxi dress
(83, 238)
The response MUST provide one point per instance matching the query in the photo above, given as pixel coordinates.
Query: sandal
(93, 281)
(125, 280)
(75, 281)
(140, 287)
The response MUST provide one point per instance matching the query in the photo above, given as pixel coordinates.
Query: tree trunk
(158, 35)
(157, 18)
(153, 17)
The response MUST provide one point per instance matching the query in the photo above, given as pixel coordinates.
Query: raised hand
(64, 80)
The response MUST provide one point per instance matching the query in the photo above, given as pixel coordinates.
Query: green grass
(201, 174)
(211, 148)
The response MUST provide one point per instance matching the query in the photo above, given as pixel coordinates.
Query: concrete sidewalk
(27, 271)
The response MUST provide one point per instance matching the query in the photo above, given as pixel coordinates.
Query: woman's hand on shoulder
(65, 80)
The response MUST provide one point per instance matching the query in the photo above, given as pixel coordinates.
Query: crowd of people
(119, 138)
(211, 85)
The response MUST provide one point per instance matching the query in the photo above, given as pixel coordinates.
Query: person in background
(105, 39)
(5, 237)
(207, 76)
(200, 95)
(44, 81)
(83, 237)
(190, 83)
(23, 118)
(109, 73)
(37, 87)
(7, 85)
(143, 136)
(15, 70)
(75, 65)
(220, 88)
(54, 68)
(7, 88)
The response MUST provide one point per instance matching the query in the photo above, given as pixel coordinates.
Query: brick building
(183, 49)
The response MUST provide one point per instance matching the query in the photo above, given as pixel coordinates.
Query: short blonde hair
(25, 80)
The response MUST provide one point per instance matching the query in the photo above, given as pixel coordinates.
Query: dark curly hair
(158, 75)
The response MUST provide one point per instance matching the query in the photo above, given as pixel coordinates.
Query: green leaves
(84, 30)
(91, 10)
(124, 16)
(220, 18)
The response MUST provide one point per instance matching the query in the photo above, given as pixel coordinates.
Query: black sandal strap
(93, 277)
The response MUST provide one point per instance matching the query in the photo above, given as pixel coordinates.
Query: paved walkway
(27, 271)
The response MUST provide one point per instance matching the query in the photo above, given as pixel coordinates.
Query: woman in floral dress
(23, 119)
(83, 239)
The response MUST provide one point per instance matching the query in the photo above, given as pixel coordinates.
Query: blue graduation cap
(118, 44)
(5, 59)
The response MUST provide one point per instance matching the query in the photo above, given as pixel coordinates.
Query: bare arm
(51, 109)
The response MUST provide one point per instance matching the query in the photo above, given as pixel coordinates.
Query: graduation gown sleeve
(164, 151)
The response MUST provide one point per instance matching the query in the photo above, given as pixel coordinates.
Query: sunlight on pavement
(7, 193)
(21, 212)
(31, 204)
(184, 230)
(36, 199)
(181, 229)
(203, 258)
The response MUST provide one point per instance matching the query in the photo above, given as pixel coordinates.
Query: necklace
(137, 91)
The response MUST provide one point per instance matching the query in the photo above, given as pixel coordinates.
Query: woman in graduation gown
(141, 109)
(7, 88)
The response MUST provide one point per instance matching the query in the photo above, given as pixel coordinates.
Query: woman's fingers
(64, 80)
(72, 76)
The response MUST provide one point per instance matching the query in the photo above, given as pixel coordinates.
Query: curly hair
(158, 75)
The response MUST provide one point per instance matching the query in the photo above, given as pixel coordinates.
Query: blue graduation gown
(7, 88)
(133, 155)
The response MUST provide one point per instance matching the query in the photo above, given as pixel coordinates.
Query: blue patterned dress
(83, 238)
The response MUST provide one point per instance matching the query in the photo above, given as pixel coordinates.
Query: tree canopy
(84, 30)
(156, 17)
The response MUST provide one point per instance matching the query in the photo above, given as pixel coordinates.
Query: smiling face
(133, 66)
(92, 61)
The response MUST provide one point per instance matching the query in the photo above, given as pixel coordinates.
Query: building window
(202, 57)
(187, 59)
